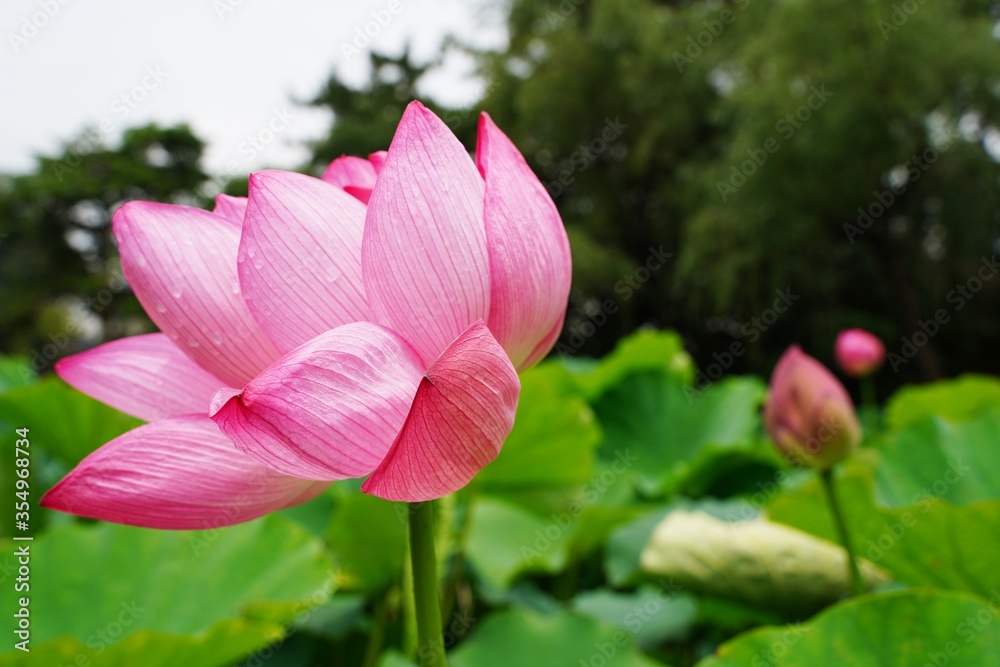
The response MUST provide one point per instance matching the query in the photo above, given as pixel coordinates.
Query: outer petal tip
(179, 473)
(484, 128)
(530, 262)
(51, 498)
(425, 261)
(63, 366)
(181, 263)
(121, 220)
(146, 376)
(231, 208)
(378, 160)
(416, 106)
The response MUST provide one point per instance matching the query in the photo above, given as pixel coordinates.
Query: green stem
(377, 634)
(409, 610)
(826, 477)
(868, 393)
(425, 586)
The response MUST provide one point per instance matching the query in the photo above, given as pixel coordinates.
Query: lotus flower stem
(868, 393)
(826, 477)
(430, 651)
(408, 609)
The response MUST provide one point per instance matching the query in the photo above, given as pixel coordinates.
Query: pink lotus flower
(808, 414)
(308, 338)
(859, 353)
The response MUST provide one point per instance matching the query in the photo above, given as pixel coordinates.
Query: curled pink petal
(181, 264)
(230, 208)
(350, 170)
(462, 413)
(530, 267)
(329, 409)
(179, 473)
(361, 194)
(424, 257)
(354, 175)
(378, 161)
(300, 257)
(145, 376)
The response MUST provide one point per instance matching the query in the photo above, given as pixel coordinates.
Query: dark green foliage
(700, 84)
(58, 252)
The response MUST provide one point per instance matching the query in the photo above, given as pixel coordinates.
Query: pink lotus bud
(809, 415)
(859, 353)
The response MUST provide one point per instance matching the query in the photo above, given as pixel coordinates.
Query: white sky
(224, 72)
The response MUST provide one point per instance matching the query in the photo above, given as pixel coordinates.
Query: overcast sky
(225, 66)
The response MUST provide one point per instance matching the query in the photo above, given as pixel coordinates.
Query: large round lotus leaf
(522, 638)
(104, 594)
(923, 628)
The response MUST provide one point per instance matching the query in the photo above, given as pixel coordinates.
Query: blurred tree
(708, 157)
(58, 262)
(749, 138)
(365, 119)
